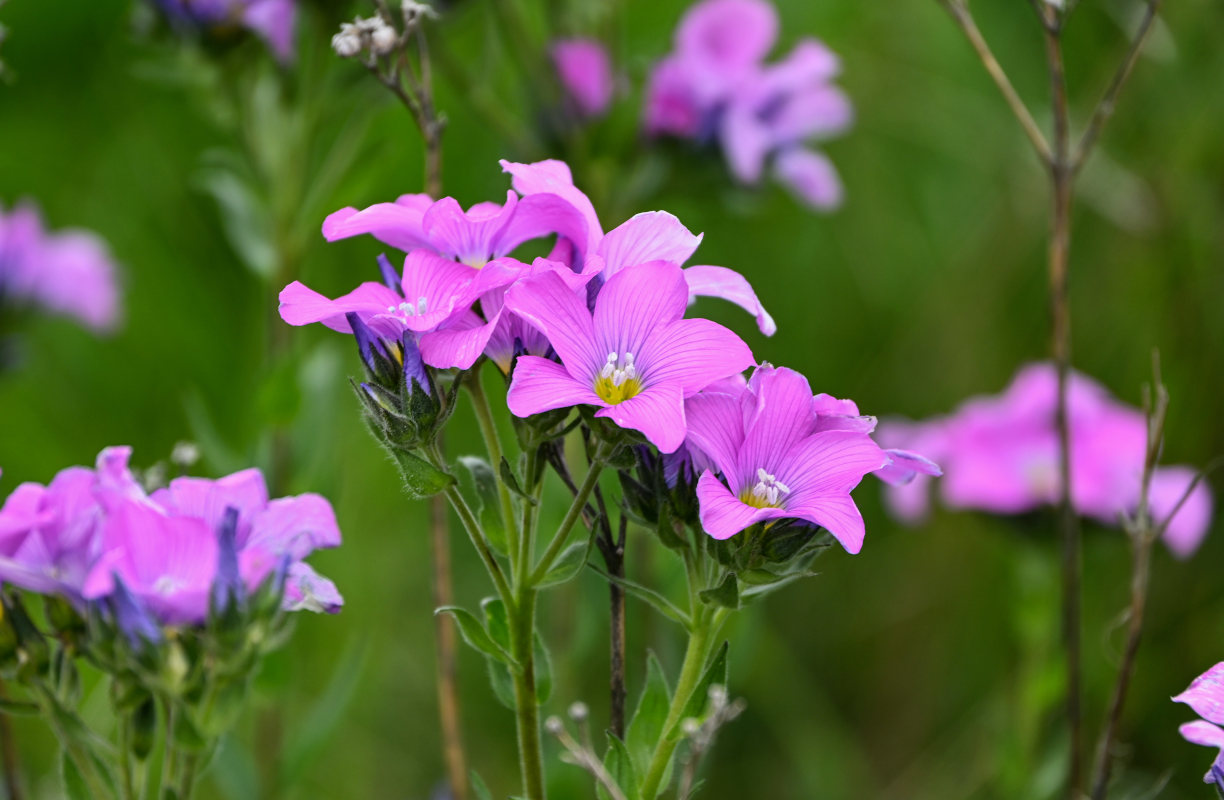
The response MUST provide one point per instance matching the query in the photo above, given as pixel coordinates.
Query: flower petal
(443, 284)
(779, 420)
(830, 462)
(693, 353)
(733, 33)
(811, 176)
(539, 385)
(835, 513)
(633, 303)
(397, 224)
(722, 514)
(307, 590)
(458, 344)
(473, 236)
(554, 177)
(905, 466)
(300, 305)
(585, 72)
(294, 526)
(1206, 695)
(709, 281)
(716, 426)
(649, 236)
(1185, 531)
(550, 305)
(658, 412)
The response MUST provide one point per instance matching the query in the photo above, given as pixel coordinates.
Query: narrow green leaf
(656, 600)
(568, 564)
(508, 478)
(488, 507)
(619, 765)
(479, 789)
(651, 714)
(725, 594)
(757, 592)
(75, 786)
(715, 674)
(421, 479)
(474, 633)
(496, 621)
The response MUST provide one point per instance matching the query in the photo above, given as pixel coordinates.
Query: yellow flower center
(618, 381)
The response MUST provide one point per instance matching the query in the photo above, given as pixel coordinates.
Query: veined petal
(905, 466)
(1206, 695)
(551, 306)
(458, 344)
(554, 177)
(693, 353)
(245, 491)
(658, 412)
(716, 426)
(710, 281)
(541, 385)
(397, 224)
(294, 526)
(633, 303)
(539, 215)
(830, 462)
(1204, 733)
(835, 513)
(473, 236)
(722, 514)
(443, 285)
(300, 305)
(649, 236)
(780, 418)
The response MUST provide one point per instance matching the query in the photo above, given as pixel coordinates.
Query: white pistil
(768, 488)
(619, 369)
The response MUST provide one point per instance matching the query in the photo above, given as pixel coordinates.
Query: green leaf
(496, 621)
(479, 789)
(421, 479)
(568, 564)
(715, 674)
(502, 683)
(18, 708)
(756, 592)
(508, 478)
(656, 600)
(488, 507)
(619, 765)
(475, 634)
(543, 670)
(75, 786)
(651, 714)
(725, 594)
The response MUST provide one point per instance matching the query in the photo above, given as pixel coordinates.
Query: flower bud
(383, 40)
(347, 43)
(554, 725)
(690, 726)
(579, 712)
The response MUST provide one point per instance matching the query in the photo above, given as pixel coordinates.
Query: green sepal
(725, 594)
(421, 479)
(512, 483)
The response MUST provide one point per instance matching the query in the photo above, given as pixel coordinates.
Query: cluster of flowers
(94, 536)
(274, 21)
(67, 272)
(1000, 454)
(600, 323)
(716, 85)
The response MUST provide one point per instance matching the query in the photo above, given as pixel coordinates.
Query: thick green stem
(572, 516)
(488, 429)
(705, 627)
(526, 702)
(526, 548)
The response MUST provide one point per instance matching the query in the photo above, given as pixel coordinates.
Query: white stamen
(406, 308)
(768, 488)
(420, 307)
(619, 368)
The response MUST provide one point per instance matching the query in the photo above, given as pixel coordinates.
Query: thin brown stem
(1061, 179)
(1105, 108)
(961, 15)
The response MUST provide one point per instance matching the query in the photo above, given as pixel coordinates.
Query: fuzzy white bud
(690, 726)
(554, 725)
(347, 43)
(579, 712)
(383, 40)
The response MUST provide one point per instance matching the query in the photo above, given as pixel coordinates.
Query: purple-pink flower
(1000, 454)
(273, 21)
(776, 460)
(92, 533)
(68, 272)
(1206, 696)
(715, 85)
(634, 356)
(584, 71)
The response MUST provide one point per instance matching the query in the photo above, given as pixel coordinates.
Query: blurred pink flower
(585, 73)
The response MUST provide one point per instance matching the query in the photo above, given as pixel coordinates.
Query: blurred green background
(926, 666)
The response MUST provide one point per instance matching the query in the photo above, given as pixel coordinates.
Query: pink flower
(634, 356)
(776, 461)
(585, 73)
(715, 84)
(1206, 696)
(1000, 454)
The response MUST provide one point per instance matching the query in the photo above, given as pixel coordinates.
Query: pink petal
(585, 72)
(735, 34)
(708, 281)
(693, 353)
(274, 21)
(830, 462)
(307, 590)
(649, 236)
(905, 466)
(459, 344)
(397, 224)
(1186, 530)
(1204, 733)
(554, 177)
(1206, 695)
(838, 515)
(633, 303)
(722, 514)
(808, 63)
(294, 527)
(300, 305)
(746, 140)
(473, 236)
(716, 426)
(811, 176)
(819, 111)
(658, 412)
(781, 419)
(445, 286)
(541, 385)
(550, 305)
(540, 215)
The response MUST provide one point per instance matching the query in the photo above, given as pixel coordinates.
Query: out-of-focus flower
(775, 459)
(585, 73)
(634, 357)
(92, 533)
(1206, 696)
(715, 85)
(274, 21)
(1000, 454)
(68, 272)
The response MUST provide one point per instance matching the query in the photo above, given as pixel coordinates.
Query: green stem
(526, 701)
(705, 626)
(572, 516)
(527, 543)
(488, 429)
(478, 541)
